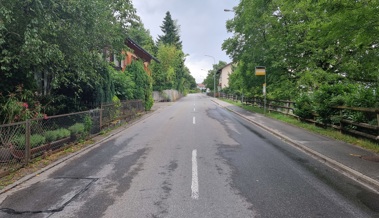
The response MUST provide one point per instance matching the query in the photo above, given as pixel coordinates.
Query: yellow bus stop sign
(260, 71)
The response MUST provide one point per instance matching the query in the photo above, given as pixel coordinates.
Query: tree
(210, 80)
(170, 32)
(295, 39)
(52, 47)
(142, 37)
(310, 48)
(164, 75)
(143, 83)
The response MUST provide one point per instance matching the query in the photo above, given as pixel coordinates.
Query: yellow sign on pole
(260, 71)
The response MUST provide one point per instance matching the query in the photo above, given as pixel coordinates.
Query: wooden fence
(345, 125)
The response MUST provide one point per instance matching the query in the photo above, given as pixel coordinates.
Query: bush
(303, 107)
(327, 97)
(87, 123)
(19, 142)
(63, 133)
(76, 129)
(54, 135)
(51, 135)
(37, 140)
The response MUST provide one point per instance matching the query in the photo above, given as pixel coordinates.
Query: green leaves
(170, 31)
(170, 71)
(143, 89)
(304, 44)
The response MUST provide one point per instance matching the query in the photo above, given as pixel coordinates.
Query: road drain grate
(48, 196)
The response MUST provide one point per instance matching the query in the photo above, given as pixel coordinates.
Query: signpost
(261, 71)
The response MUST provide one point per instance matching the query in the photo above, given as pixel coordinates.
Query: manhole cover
(371, 158)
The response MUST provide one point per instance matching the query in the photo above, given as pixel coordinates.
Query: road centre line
(195, 180)
(194, 120)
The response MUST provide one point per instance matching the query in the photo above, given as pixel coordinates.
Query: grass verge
(329, 132)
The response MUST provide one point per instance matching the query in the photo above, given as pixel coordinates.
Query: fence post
(101, 116)
(27, 142)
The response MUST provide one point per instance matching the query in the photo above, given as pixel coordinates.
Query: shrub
(51, 135)
(87, 123)
(54, 135)
(327, 97)
(19, 142)
(63, 133)
(37, 140)
(303, 107)
(77, 128)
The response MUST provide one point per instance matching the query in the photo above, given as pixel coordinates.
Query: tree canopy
(53, 48)
(323, 49)
(170, 31)
(171, 73)
(58, 52)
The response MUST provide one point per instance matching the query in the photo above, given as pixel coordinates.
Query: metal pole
(265, 94)
(214, 76)
(214, 84)
(27, 142)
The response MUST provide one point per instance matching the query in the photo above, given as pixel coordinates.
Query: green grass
(329, 132)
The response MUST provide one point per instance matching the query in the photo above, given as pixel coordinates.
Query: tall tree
(324, 52)
(304, 43)
(170, 31)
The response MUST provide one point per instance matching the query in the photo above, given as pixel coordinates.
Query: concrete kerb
(64, 159)
(359, 177)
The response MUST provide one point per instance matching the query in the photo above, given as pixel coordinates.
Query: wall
(166, 95)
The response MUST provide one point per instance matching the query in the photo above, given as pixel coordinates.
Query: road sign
(260, 71)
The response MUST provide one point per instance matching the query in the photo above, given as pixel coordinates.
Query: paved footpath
(355, 162)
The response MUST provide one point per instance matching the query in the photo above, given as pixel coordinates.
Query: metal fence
(23, 141)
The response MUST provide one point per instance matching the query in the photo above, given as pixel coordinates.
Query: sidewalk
(351, 160)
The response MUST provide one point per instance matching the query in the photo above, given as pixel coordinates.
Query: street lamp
(214, 77)
(228, 10)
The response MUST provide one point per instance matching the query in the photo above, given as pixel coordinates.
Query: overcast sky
(202, 28)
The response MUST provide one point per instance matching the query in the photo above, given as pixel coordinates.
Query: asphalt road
(190, 159)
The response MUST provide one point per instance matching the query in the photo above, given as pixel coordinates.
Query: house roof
(219, 70)
(139, 51)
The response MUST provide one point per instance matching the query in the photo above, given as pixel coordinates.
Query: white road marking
(194, 120)
(194, 109)
(195, 180)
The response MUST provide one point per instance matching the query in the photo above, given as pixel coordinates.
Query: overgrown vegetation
(54, 135)
(320, 54)
(329, 132)
(58, 53)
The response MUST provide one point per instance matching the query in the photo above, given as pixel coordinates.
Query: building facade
(224, 74)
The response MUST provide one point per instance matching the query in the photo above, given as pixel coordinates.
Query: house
(136, 53)
(201, 86)
(224, 73)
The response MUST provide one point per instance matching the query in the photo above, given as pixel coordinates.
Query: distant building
(201, 86)
(224, 72)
